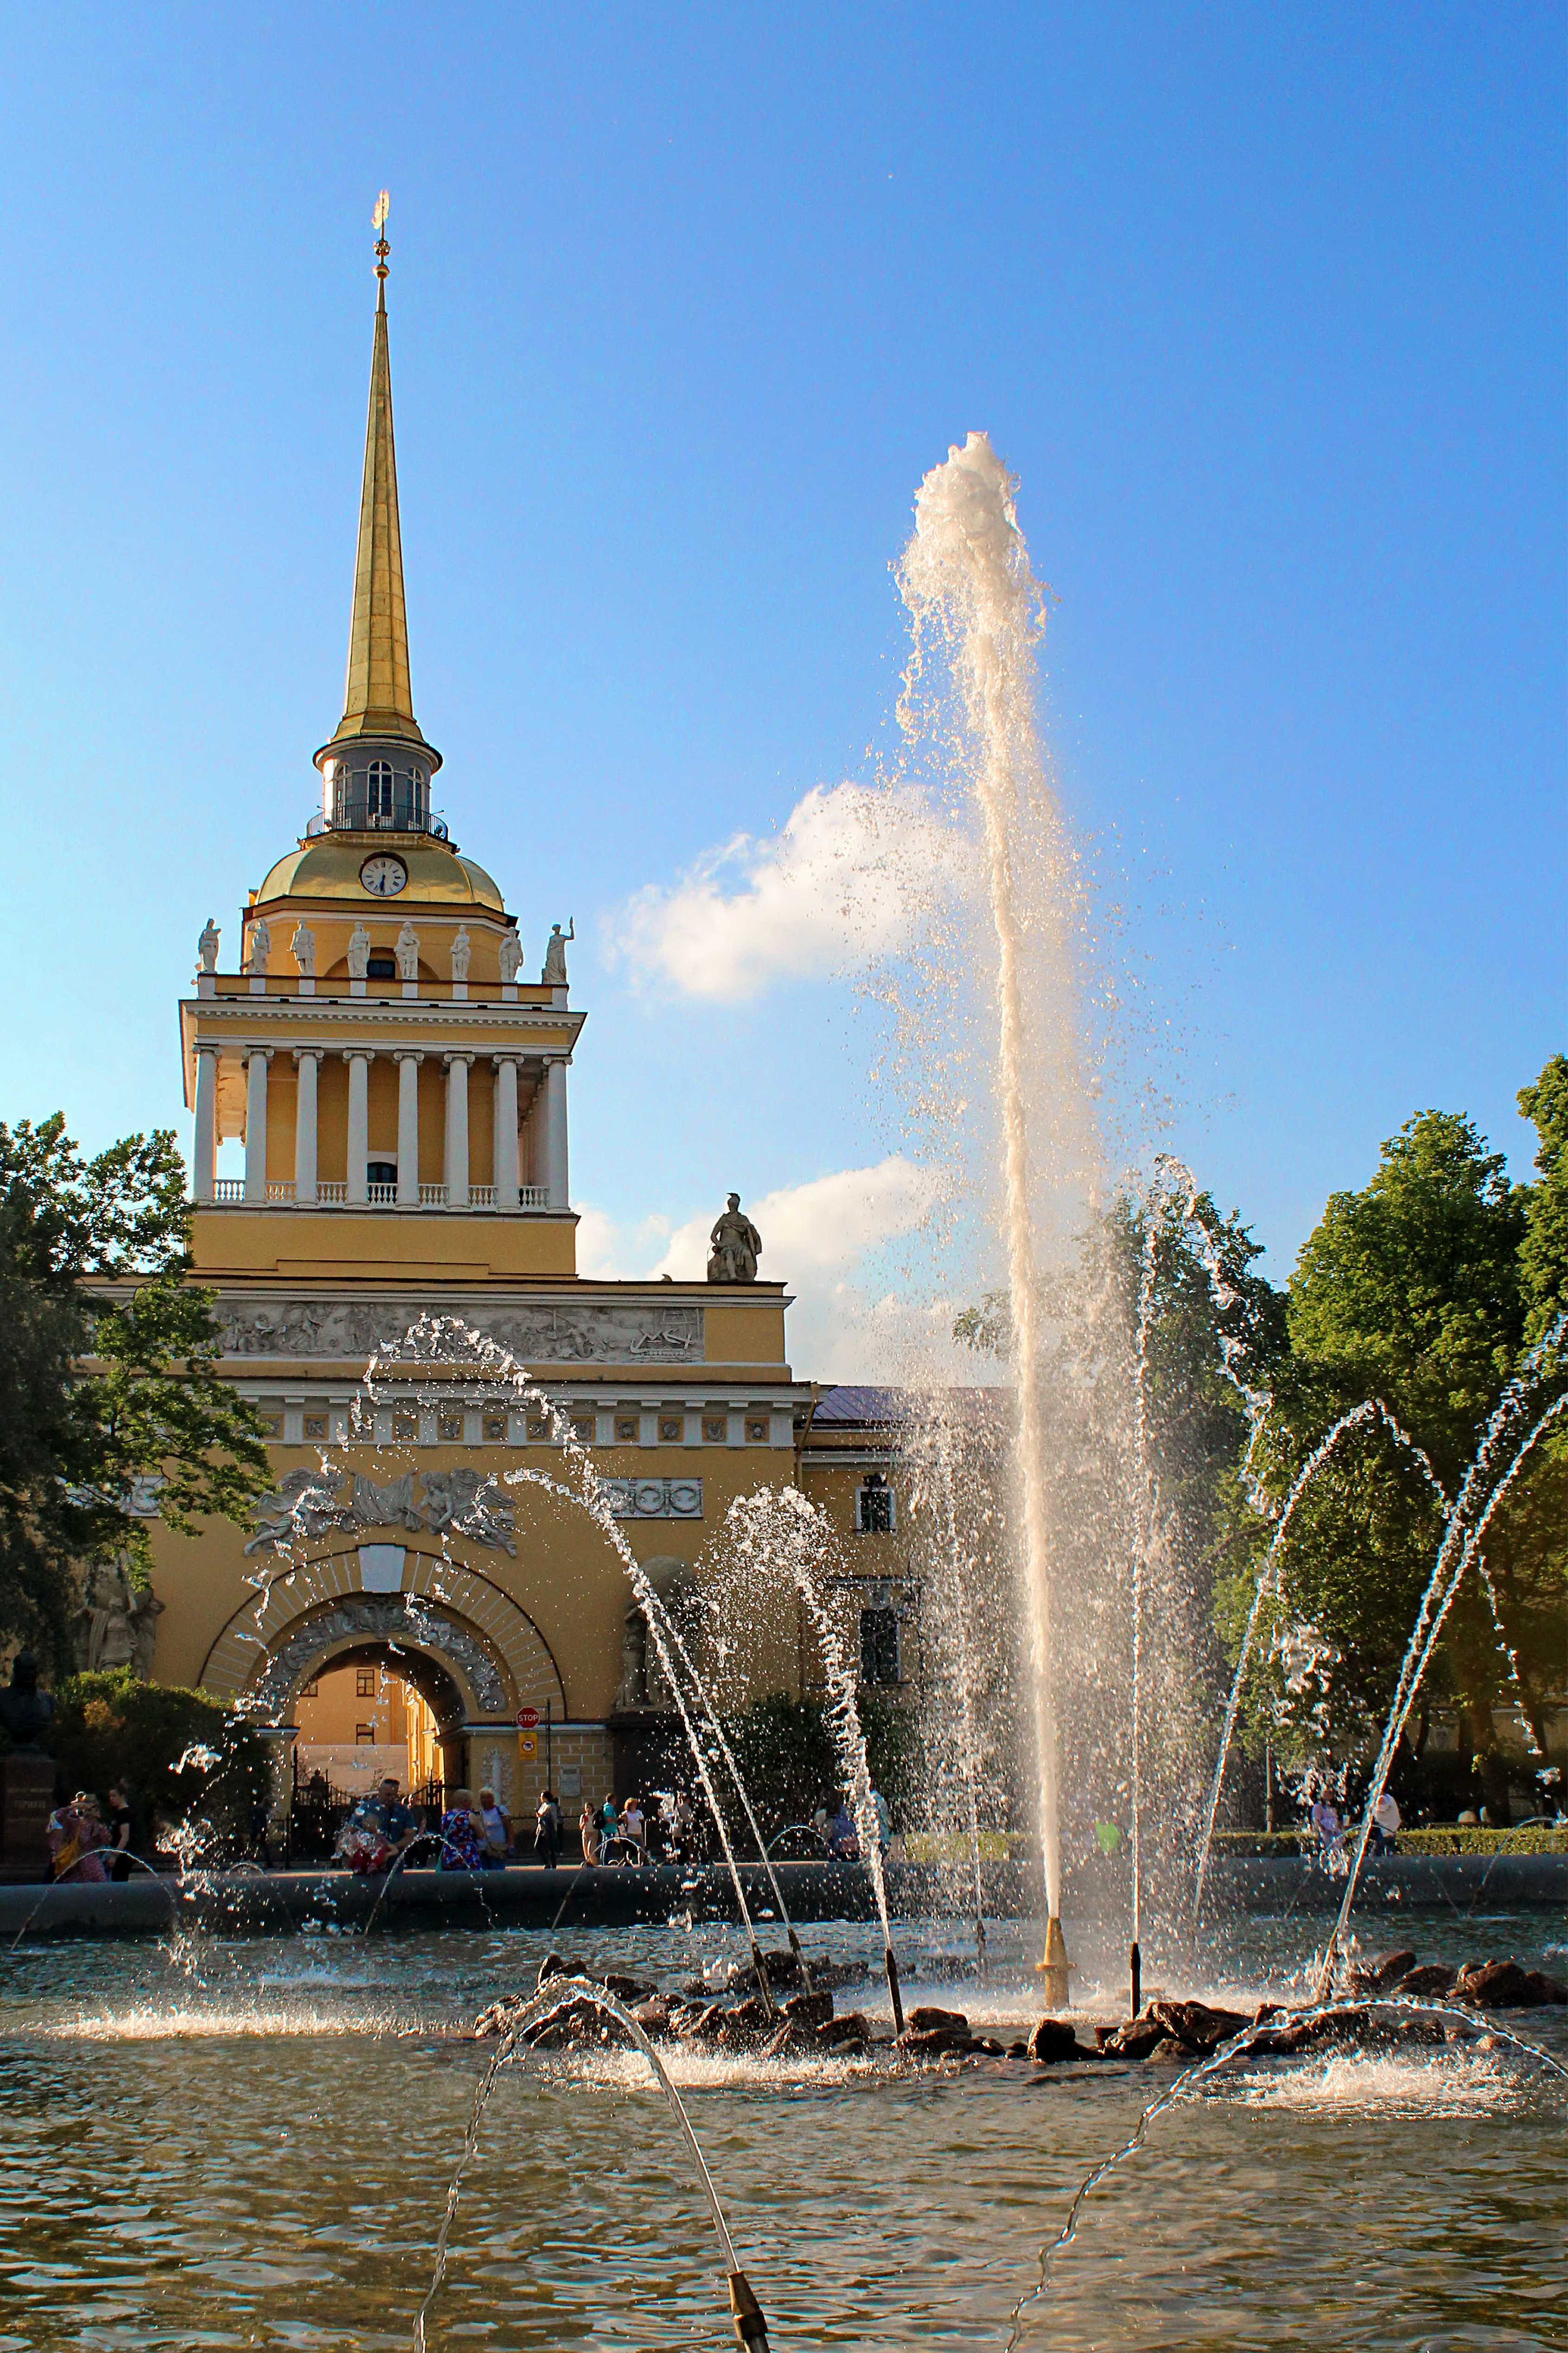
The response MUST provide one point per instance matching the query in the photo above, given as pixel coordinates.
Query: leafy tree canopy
(107, 1371)
(1543, 1252)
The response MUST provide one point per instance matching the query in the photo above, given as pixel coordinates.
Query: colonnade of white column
(549, 1120)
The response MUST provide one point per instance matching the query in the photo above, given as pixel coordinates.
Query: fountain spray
(966, 572)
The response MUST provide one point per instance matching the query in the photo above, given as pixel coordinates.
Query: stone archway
(391, 1593)
(409, 1606)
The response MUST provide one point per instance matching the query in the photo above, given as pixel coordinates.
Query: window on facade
(404, 1422)
(879, 1646)
(495, 1428)
(315, 1425)
(715, 1430)
(380, 1172)
(756, 1433)
(450, 1423)
(382, 966)
(670, 1429)
(874, 1507)
(364, 1683)
(364, 1735)
(378, 788)
(626, 1430)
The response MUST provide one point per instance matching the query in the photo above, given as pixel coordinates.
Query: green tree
(108, 1372)
(1412, 1291)
(178, 1751)
(1544, 1252)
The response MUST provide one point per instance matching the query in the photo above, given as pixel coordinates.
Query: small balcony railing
(334, 1194)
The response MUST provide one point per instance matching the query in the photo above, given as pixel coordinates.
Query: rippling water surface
(250, 2144)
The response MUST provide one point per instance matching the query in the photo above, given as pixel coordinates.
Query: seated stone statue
(736, 1247)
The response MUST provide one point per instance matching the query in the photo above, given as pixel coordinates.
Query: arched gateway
(476, 1656)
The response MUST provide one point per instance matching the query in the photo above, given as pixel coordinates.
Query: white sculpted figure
(359, 952)
(555, 955)
(408, 953)
(737, 1246)
(462, 953)
(511, 957)
(206, 947)
(258, 948)
(302, 947)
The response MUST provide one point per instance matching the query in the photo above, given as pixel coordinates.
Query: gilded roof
(327, 867)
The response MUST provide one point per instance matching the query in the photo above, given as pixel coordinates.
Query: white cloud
(816, 1237)
(847, 880)
(826, 1225)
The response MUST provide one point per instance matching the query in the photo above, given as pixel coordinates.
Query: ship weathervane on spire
(378, 223)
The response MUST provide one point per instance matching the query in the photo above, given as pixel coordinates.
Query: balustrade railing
(334, 1194)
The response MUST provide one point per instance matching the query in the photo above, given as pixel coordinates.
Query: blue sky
(1264, 307)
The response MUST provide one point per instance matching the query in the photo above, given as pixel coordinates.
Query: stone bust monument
(25, 1710)
(359, 952)
(737, 1246)
(207, 946)
(408, 953)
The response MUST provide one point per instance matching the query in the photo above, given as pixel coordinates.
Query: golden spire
(378, 699)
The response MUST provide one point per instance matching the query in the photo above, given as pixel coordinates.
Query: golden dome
(327, 866)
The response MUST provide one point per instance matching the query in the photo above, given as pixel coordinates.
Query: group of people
(1383, 1832)
(83, 1846)
(840, 1831)
(631, 1834)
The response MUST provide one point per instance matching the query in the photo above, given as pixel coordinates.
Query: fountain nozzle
(898, 2000)
(750, 2328)
(1137, 1974)
(1054, 1967)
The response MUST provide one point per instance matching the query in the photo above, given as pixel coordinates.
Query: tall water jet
(966, 580)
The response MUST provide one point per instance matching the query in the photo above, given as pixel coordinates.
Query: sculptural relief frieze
(310, 1504)
(336, 1329)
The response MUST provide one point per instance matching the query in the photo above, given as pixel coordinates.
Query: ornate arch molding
(394, 1593)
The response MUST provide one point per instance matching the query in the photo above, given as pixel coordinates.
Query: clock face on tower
(383, 877)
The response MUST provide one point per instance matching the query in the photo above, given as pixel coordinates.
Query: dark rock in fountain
(1504, 1985)
(1192, 2030)
(928, 2020)
(1422, 1984)
(1381, 1974)
(812, 2009)
(853, 2027)
(1052, 2041)
(627, 1991)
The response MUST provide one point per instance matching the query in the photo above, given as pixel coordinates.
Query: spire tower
(378, 698)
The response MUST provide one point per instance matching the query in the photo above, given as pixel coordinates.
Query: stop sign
(528, 1717)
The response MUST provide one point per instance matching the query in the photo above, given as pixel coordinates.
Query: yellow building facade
(401, 1091)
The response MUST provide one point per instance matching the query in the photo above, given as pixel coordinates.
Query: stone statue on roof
(736, 1247)
(359, 952)
(408, 953)
(302, 947)
(462, 953)
(554, 974)
(207, 946)
(511, 957)
(259, 948)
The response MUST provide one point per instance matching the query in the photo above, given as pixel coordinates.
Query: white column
(457, 1130)
(359, 1122)
(555, 1168)
(255, 1061)
(408, 1130)
(204, 1156)
(508, 1177)
(307, 1058)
